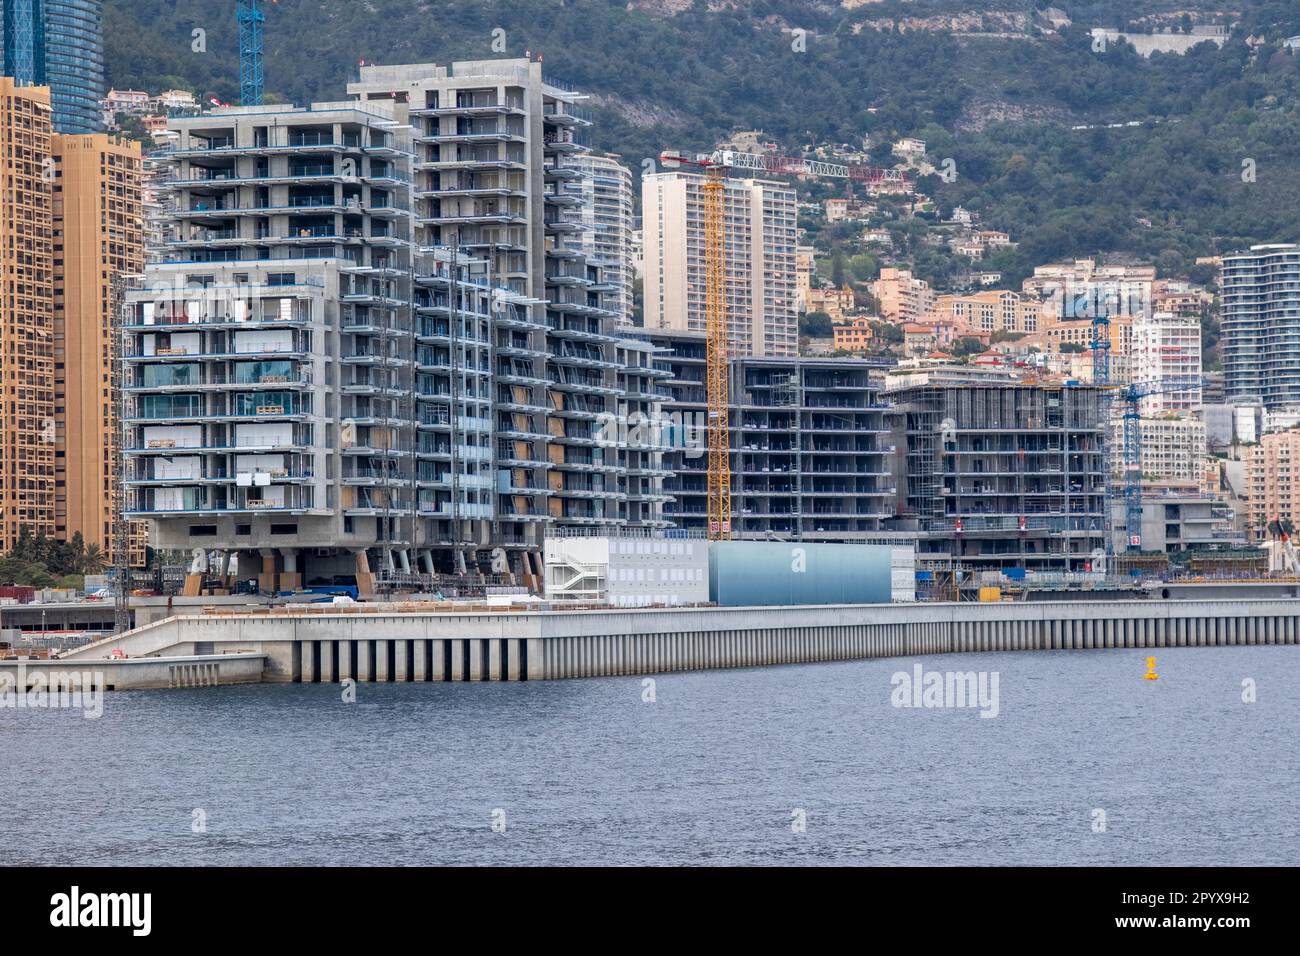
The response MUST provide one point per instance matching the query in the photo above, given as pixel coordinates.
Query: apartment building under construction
(1003, 473)
(815, 449)
(374, 349)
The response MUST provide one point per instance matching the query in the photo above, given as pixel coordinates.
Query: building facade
(1260, 319)
(1173, 448)
(1001, 473)
(814, 448)
(762, 284)
(59, 44)
(605, 186)
(98, 238)
(27, 426)
(1273, 481)
(990, 311)
(1167, 348)
(402, 359)
(902, 297)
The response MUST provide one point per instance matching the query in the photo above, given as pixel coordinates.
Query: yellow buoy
(1151, 670)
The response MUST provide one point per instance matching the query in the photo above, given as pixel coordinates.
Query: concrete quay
(146, 673)
(371, 643)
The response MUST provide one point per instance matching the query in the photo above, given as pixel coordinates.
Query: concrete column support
(327, 670)
(365, 661)
(420, 666)
(457, 660)
(308, 661)
(535, 661)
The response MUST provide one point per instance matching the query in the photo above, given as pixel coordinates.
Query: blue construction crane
(1133, 395)
(250, 17)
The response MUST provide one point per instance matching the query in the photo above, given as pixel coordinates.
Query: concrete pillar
(308, 661)
(365, 661)
(535, 660)
(383, 670)
(439, 670)
(512, 659)
(345, 660)
(327, 670)
(420, 666)
(457, 660)
(494, 659)
(402, 664)
(404, 561)
(426, 561)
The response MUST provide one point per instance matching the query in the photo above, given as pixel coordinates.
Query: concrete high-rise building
(376, 347)
(98, 238)
(605, 188)
(59, 44)
(1165, 348)
(27, 423)
(496, 148)
(762, 286)
(814, 447)
(1003, 473)
(1260, 319)
(69, 226)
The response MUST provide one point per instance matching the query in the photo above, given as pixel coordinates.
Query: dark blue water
(586, 772)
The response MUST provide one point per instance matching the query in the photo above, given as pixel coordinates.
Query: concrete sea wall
(372, 645)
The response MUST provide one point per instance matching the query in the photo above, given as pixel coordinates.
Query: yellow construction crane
(717, 382)
(717, 379)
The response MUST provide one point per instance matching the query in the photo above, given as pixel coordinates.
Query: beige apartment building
(27, 430)
(762, 286)
(70, 221)
(1173, 448)
(98, 236)
(1272, 482)
(1078, 332)
(902, 297)
(991, 311)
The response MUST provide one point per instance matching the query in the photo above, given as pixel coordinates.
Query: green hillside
(980, 82)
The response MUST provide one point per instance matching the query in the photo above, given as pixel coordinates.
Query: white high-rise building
(762, 288)
(1261, 324)
(605, 186)
(1165, 347)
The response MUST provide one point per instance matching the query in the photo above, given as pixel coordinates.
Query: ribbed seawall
(628, 643)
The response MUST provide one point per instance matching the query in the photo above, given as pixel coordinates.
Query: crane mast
(1133, 395)
(715, 312)
(250, 17)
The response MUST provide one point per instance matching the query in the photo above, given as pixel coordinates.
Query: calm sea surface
(711, 772)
